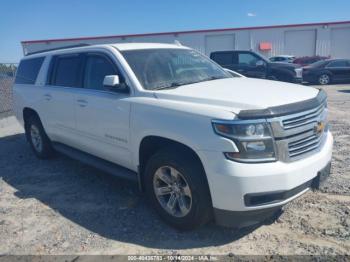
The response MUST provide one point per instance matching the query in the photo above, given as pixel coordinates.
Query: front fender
(190, 129)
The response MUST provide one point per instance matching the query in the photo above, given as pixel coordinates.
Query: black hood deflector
(287, 109)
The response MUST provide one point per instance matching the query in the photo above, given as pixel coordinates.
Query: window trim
(332, 62)
(52, 72)
(86, 55)
(223, 53)
(117, 64)
(249, 53)
(37, 74)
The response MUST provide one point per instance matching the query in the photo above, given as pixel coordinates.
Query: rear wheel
(324, 79)
(37, 138)
(177, 188)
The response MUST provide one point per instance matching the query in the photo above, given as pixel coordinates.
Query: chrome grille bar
(296, 135)
(304, 145)
(303, 118)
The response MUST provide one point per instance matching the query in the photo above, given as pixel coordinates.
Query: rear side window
(223, 58)
(28, 71)
(340, 63)
(67, 71)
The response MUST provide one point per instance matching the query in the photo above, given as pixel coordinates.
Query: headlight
(298, 72)
(252, 138)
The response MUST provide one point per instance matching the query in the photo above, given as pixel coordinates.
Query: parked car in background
(327, 71)
(251, 64)
(307, 60)
(200, 142)
(282, 58)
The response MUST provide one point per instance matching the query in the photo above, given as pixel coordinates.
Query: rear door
(339, 70)
(64, 79)
(225, 59)
(102, 114)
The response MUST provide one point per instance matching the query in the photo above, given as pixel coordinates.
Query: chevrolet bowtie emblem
(319, 127)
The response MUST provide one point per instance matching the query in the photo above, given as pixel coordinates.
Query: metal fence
(7, 76)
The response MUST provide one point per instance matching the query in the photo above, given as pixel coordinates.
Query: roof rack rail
(58, 48)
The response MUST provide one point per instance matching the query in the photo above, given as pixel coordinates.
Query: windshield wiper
(177, 84)
(212, 78)
(169, 86)
(208, 79)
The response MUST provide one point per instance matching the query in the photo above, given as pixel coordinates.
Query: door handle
(82, 102)
(48, 97)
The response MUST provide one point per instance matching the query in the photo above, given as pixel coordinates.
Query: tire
(37, 138)
(324, 79)
(192, 193)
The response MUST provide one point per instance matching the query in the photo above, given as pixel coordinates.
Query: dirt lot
(64, 207)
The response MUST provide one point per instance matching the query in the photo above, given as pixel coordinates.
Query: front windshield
(168, 68)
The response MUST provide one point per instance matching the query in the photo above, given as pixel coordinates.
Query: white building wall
(340, 44)
(324, 41)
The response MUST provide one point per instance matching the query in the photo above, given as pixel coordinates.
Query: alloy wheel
(36, 138)
(172, 191)
(324, 79)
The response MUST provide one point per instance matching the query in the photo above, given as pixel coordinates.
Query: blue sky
(39, 19)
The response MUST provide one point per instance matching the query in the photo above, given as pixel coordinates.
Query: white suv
(201, 142)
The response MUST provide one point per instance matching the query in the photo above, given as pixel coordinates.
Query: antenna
(177, 42)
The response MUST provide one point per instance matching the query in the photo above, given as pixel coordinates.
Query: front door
(102, 115)
(250, 65)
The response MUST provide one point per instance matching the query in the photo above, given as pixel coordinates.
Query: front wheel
(324, 79)
(177, 188)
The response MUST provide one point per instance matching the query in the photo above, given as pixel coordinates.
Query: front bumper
(241, 219)
(231, 182)
(297, 80)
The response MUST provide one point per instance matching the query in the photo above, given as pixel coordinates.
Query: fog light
(254, 146)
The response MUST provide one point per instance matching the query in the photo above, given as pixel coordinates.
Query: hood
(235, 94)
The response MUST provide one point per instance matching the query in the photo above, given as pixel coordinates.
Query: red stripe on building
(185, 32)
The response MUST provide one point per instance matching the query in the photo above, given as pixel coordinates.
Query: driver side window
(247, 59)
(96, 68)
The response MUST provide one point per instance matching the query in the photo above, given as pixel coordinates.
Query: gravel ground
(64, 207)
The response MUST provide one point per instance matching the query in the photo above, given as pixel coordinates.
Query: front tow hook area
(240, 219)
(321, 177)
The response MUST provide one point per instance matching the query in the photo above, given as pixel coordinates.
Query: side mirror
(112, 82)
(260, 63)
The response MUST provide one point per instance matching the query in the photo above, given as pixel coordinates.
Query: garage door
(340, 46)
(300, 43)
(219, 43)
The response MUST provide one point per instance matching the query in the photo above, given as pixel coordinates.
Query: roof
(119, 46)
(285, 56)
(134, 46)
(184, 32)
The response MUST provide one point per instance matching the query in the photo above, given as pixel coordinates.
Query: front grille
(304, 145)
(298, 135)
(304, 118)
